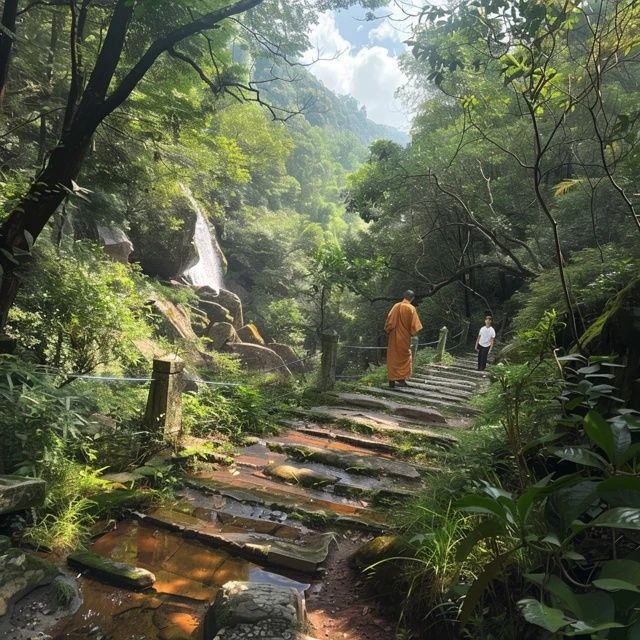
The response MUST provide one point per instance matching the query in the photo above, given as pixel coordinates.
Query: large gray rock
(163, 251)
(18, 493)
(226, 299)
(289, 356)
(215, 312)
(250, 334)
(20, 574)
(244, 610)
(221, 334)
(176, 321)
(259, 358)
(116, 243)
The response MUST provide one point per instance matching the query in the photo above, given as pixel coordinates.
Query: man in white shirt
(484, 342)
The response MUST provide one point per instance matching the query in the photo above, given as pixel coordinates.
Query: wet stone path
(289, 511)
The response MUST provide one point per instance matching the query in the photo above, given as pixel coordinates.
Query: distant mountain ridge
(322, 107)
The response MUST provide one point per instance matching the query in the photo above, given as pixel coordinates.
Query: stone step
(304, 556)
(356, 464)
(306, 506)
(438, 392)
(416, 395)
(367, 443)
(372, 422)
(376, 490)
(466, 372)
(458, 375)
(417, 414)
(442, 388)
(451, 383)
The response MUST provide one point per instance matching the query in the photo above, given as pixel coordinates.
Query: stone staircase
(274, 515)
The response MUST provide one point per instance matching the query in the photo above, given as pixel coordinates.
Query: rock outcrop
(258, 358)
(215, 312)
(167, 253)
(221, 334)
(116, 243)
(18, 493)
(176, 321)
(226, 299)
(289, 356)
(250, 334)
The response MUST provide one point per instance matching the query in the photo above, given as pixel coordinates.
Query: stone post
(466, 325)
(329, 360)
(164, 406)
(415, 341)
(442, 344)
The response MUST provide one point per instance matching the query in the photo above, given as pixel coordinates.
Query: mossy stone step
(371, 422)
(419, 414)
(356, 464)
(413, 395)
(310, 512)
(430, 378)
(304, 556)
(443, 390)
(299, 475)
(106, 570)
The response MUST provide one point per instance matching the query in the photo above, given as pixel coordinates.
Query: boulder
(255, 610)
(116, 243)
(221, 334)
(215, 312)
(18, 493)
(289, 356)
(20, 574)
(226, 299)
(166, 251)
(177, 323)
(250, 334)
(258, 358)
(110, 571)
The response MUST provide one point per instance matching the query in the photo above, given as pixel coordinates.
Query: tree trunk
(28, 219)
(6, 42)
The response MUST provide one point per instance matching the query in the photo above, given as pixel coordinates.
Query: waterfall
(208, 271)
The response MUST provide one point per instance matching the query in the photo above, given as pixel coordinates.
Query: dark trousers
(483, 354)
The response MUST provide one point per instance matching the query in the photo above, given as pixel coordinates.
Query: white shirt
(487, 334)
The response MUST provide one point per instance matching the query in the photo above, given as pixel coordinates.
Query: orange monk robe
(402, 323)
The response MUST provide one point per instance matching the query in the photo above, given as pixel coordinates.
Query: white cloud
(370, 74)
(396, 26)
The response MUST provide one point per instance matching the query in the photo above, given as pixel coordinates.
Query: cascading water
(208, 271)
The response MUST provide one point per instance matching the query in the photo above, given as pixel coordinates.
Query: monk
(402, 323)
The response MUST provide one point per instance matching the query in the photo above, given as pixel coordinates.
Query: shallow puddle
(188, 576)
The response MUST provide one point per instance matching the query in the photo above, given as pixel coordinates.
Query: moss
(112, 572)
(112, 503)
(63, 591)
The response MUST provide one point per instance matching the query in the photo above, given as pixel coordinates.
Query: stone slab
(110, 571)
(421, 414)
(357, 464)
(380, 422)
(305, 555)
(299, 475)
(18, 493)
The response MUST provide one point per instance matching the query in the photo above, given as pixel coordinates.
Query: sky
(360, 58)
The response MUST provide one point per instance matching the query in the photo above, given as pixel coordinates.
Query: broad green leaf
(481, 504)
(614, 584)
(569, 503)
(535, 612)
(557, 589)
(620, 491)
(485, 529)
(600, 433)
(619, 518)
(581, 455)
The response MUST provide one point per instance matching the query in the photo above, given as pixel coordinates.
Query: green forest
(199, 246)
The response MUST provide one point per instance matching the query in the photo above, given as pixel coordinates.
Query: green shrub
(77, 311)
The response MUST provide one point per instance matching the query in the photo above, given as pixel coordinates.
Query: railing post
(329, 360)
(464, 336)
(164, 405)
(415, 341)
(442, 344)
